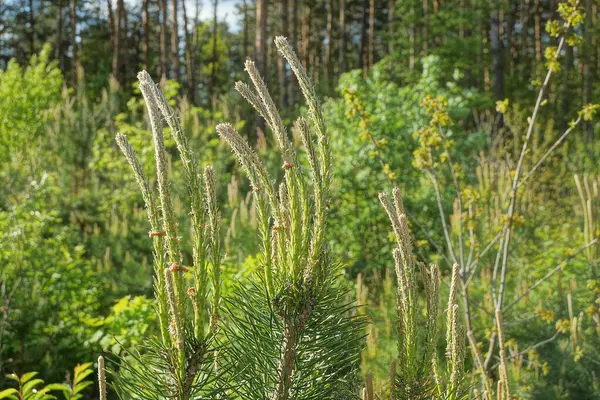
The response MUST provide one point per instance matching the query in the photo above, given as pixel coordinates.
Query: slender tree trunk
(116, 60)
(146, 24)
(371, 33)
(342, 45)
(567, 78)
(411, 38)
(32, 27)
(283, 92)
(586, 66)
(214, 57)
(425, 27)
(461, 26)
(74, 40)
(246, 39)
(329, 39)
(59, 38)
(391, 12)
(363, 39)
(306, 25)
(260, 49)
(496, 46)
(124, 43)
(510, 37)
(538, 30)
(189, 68)
(295, 37)
(164, 65)
(175, 41)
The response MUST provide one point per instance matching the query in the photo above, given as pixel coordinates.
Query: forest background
(76, 273)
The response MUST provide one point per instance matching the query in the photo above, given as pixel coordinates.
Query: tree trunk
(74, 40)
(32, 27)
(362, 53)
(329, 39)
(306, 24)
(175, 42)
(214, 59)
(125, 48)
(371, 33)
(497, 52)
(189, 68)
(538, 31)
(425, 27)
(391, 10)
(283, 96)
(246, 40)
(146, 24)
(566, 99)
(59, 38)
(164, 65)
(116, 60)
(342, 45)
(260, 50)
(586, 66)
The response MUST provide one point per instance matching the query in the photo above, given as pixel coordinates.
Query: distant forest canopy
(496, 46)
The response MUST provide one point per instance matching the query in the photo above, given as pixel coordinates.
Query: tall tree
(342, 44)
(74, 40)
(260, 48)
(587, 58)
(146, 25)
(163, 59)
(31, 27)
(59, 36)
(425, 27)
(497, 52)
(283, 90)
(362, 54)
(306, 25)
(391, 12)
(214, 57)
(246, 38)
(175, 42)
(371, 33)
(189, 68)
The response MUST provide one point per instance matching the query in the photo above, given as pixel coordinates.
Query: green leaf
(82, 386)
(8, 394)
(29, 386)
(26, 377)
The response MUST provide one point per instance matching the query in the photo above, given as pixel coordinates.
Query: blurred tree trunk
(412, 43)
(283, 92)
(125, 48)
(342, 44)
(146, 24)
(245, 41)
(510, 21)
(189, 68)
(537, 15)
(363, 39)
(586, 66)
(74, 40)
(425, 27)
(164, 66)
(32, 27)
(306, 25)
(116, 59)
(295, 38)
(567, 79)
(214, 56)
(260, 49)
(391, 8)
(497, 52)
(59, 38)
(371, 34)
(175, 42)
